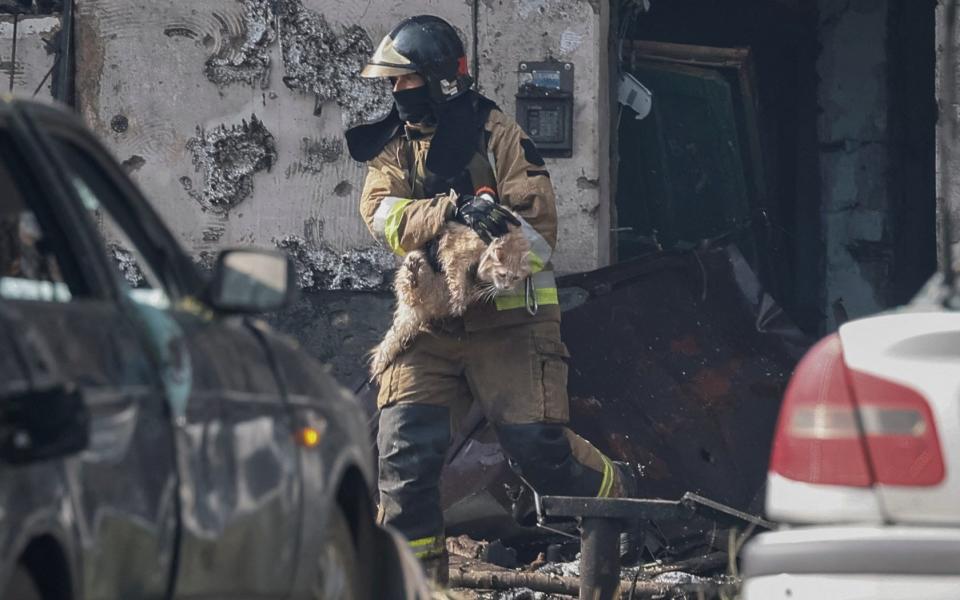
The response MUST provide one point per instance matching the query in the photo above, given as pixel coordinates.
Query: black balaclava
(459, 123)
(413, 104)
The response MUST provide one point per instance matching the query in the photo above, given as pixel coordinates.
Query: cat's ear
(499, 253)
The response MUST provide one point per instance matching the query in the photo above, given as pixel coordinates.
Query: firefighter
(441, 143)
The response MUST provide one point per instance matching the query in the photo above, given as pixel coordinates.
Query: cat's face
(505, 264)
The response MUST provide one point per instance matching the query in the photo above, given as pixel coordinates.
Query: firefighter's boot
(437, 569)
(633, 537)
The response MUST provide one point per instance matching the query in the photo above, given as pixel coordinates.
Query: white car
(865, 466)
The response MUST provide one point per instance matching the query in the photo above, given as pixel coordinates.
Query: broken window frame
(737, 63)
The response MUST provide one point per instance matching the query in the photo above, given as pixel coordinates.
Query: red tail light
(900, 430)
(820, 434)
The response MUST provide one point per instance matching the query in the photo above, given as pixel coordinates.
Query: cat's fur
(472, 271)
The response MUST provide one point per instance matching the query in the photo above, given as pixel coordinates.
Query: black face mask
(413, 104)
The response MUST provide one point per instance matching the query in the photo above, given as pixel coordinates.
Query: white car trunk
(921, 351)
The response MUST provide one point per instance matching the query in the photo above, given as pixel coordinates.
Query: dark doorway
(731, 150)
(912, 121)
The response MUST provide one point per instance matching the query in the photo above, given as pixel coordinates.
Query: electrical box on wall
(545, 105)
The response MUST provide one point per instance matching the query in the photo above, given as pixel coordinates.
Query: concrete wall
(230, 116)
(854, 159)
(511, 31)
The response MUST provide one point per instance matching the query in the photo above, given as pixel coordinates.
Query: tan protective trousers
(518, 374)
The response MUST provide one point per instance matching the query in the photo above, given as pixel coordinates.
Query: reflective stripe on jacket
(403, 222)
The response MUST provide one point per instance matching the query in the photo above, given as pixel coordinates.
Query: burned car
(156, 440)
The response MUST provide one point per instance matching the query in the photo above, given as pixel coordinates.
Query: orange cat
(472, 272)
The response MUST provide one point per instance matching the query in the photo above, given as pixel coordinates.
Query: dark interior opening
(779, 231)
(912, 122)
(776, 222)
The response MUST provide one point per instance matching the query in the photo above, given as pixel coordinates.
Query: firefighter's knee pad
(541, 454)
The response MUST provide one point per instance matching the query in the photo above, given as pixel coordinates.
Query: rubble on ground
(652, 580)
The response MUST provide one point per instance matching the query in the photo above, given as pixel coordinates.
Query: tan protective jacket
(394, 208)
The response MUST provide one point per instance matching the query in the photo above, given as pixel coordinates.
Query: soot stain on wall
(314, 153)
(320, 267)
(127, 264)
(227, 158)
(319, 60)
(243, 55)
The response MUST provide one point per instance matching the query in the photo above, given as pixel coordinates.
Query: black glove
(482, 214)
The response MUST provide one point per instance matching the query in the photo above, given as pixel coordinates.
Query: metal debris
(243, 55)
(320, 267)
(318, 60)
(228, 158)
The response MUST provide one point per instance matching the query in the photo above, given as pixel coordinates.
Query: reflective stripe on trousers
(606, 486)
(428, 547)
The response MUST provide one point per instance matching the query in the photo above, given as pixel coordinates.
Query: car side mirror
(251, 280)
(39, 425)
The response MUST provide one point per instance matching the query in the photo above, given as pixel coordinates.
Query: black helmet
(426, 45)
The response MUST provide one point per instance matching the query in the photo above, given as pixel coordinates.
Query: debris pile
(472, 578)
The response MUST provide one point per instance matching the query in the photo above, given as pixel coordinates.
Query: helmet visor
(387, 62)
(375, 70)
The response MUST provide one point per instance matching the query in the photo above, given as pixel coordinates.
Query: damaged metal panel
(678, 364)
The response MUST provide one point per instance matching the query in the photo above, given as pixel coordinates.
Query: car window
(128, 254)
(29, 269)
